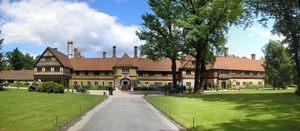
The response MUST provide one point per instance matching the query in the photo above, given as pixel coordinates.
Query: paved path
(124, 112)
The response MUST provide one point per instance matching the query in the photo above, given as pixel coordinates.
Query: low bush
(18, 84)
(50, 87)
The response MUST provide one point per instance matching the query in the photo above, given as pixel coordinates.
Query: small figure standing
(110, 89)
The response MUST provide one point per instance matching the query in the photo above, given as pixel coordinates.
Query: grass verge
(262, 110)
(35, 111)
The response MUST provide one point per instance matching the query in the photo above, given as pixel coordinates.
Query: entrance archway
(125, 84)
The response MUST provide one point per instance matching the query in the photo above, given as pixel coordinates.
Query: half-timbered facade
(54, 66)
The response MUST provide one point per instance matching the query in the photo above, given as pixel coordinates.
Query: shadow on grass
(263, 110)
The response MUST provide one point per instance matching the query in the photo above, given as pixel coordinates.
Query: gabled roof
(62, 58)
(125, 61)
(232, 63)
(17, 75)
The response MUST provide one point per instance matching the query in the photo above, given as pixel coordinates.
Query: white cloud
(54, 22)
(263, 33)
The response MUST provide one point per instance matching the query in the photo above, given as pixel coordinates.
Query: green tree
(28, 61)
(207, 22)
(287, 16)
(162, 35)
(16, 60)
(1, 53)
(278, 66)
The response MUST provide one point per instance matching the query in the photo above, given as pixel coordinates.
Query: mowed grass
(34, 111)
(262, 110)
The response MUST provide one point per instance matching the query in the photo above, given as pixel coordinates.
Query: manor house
(69, 69)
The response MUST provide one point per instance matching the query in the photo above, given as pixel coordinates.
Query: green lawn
(35, 111)
(262, 110)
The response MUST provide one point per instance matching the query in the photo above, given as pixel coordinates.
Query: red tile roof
(62, 58)
(142, 64)
(17, 75)
(232, 63)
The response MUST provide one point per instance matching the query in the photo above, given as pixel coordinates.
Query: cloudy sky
(95, 26)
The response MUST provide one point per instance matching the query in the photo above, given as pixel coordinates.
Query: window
(254, 73)
(189, 84)
(102, 83)
(47, 59)
(96, 73)
(247, 73)
(223, 72)
(237, 72)
(259, 83)
(77, 73)
(39, 69)
(188, 72)
(125, 70)
(157, 84)
(140, 73)
(237, 83)
(96, 83)
(250, 83)
(151, 73)
(164, 73)
(110, 83)
(81, 83)
(75, 82)
(57, 69)
(262, 73)
(48, 69)
(89, 83)
(86, 73)
(147, 84)
(244, 83)
(106, 73)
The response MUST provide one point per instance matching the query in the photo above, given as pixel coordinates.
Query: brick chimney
(104, 54)
(114, 52)
(226, 52)
(253, 56)
(70, 43)
(135, 52)
(77, 54)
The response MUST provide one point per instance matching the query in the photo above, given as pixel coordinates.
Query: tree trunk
(197, 73)
(174, 76)
(295, 41)
(202, 76)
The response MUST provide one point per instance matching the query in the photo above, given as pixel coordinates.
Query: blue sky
(95, 26)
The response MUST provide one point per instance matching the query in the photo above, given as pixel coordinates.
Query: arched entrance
(125, 84)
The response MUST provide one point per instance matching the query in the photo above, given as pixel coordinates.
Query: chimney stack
(226, 52)
(253, 56)
(135, 52)
(70, 43)
(114, 52)
(104, 54)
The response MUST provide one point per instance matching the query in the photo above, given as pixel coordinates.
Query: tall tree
(207, 22)
(1, 53)
(287, 16)
(28, 61)
(163, 37)
(278, 66)
(16, 60)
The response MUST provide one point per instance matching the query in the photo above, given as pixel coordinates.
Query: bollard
(104, 93)
(145, 94)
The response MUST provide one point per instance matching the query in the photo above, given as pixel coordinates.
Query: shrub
(51, 87)
(33, 86)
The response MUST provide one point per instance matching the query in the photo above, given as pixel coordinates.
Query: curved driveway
(124, 112)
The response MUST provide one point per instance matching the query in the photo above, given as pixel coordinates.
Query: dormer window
(125, 70)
